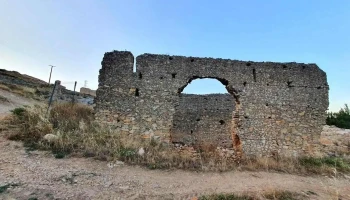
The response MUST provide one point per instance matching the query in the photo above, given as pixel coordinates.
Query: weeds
(3, 99)
(20, 90)
(283, 195)
(32, 126)
(4, 87)
(226, 197)
(7, 186)
(314, 164)
(273, 195)
(68, 116)
(4, 188)
(18, 112)
(78, 135)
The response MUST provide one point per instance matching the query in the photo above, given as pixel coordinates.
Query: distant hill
(12, 82)
(13, 77)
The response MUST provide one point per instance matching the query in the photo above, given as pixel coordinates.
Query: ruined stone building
(88, 91)
(271, 107)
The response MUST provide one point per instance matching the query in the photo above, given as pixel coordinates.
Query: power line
(67, 82)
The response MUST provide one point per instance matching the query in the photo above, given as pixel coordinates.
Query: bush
(18, 111)
(340, 119)
(31, 124)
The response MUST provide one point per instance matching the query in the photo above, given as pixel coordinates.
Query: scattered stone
(156, 137)
(115, 164)
(118, 162)
(124, 187)
(141, 152)
(50, 138)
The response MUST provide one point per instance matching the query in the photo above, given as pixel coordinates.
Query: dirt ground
(39, 175)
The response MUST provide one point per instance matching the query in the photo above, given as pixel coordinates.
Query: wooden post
(50, 100)
(75, 85)
(51, 73)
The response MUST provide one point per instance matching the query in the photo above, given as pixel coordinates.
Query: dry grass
(267, 195)
(67, 117)
(283, 195)
(300, 165)
(79, 135)
(4, 87)
(20, 90)
(3, 99)
(28, 126)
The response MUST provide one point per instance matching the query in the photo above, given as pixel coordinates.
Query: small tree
(340, 119)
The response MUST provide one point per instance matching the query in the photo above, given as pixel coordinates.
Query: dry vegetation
(23, 85)
(267, 195)
(3, 99)
(76, 134)
(21, 90)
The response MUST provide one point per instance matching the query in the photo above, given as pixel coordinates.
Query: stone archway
(215, 128)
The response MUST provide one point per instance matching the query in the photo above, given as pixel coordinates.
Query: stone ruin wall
(279, 108)
(203, 119)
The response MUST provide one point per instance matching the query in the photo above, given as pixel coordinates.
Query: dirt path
(40, 175)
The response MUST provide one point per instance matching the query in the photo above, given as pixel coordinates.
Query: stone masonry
(203, 119)
(278, 108)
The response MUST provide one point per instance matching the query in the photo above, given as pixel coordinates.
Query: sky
(74, 35)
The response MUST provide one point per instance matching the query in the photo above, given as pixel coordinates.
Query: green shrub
(127, 153)
(340, 164)
(340, 119)
(3, 188)
(18, 111)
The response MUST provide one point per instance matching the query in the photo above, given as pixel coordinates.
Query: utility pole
(51, 73)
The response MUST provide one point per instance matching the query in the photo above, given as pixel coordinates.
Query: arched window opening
(205, 86)
(204, 113)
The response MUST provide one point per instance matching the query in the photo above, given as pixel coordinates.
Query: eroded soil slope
(10, 101)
